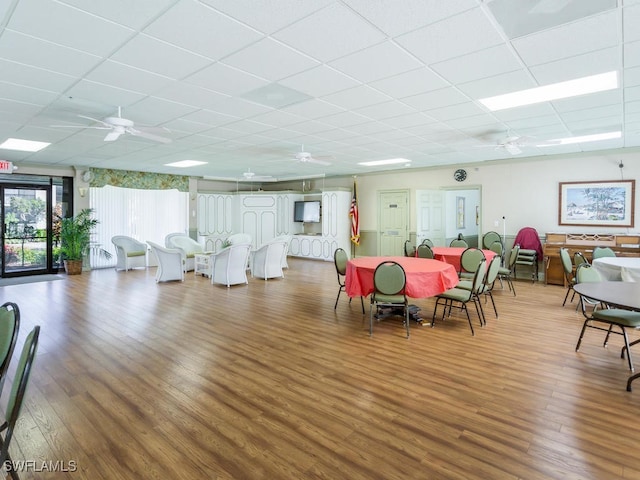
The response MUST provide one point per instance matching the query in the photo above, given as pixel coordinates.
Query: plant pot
(73, 267)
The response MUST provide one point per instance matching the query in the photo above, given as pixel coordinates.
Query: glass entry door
(26, 225)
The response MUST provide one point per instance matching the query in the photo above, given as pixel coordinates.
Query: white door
(394, 212)
(430, 212)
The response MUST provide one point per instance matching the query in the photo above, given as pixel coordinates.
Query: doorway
(394, 221)
(26, 226)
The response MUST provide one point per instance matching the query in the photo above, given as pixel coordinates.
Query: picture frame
(460, 212)
(606, 203)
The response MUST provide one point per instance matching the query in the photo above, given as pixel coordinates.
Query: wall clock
(460, 175)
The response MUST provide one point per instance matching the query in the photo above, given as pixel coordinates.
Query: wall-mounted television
(307, 211)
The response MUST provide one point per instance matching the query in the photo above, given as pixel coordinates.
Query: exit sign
(6, 166)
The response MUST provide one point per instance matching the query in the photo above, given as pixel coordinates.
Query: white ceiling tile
(490, 62)
(13, 72)
(98, 92)
(313, 109)
(20, 93)
(319, 81)
(442, 41)
(281, 12)
(189, 25)
(631, 77)
(132, 14)
(470, 122)
(99, 36)
(505, 83)
(529, 111)
(590, 63)
(590, 113)
(632, 94)
(409, 120)
(167, 60)
(209, 118)
(123, 76)
(631, 19)
(356, 97)
(226, 79)
(238, 107)
(416, 13)
(258, 59)
(369, 128)
(190, 95)
(435, 99)
(342, 32)
(631, 54)
(410, 83)
(278, 118)
(155, 111)
(345, 119)
(569, 40)
(384, 110)
(611, 97)
(379, 61)
(45, 55)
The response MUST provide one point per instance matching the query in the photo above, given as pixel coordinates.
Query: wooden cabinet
(623, 245)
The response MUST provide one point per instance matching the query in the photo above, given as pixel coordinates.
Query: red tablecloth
(425, 277)
(452, 255)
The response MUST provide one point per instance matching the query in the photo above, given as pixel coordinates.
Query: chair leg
(584, 327)
(406, 318)
(626, 344)
(567, 295)
(337, 298)
(362, 303)
(371, 317)
(466, 310)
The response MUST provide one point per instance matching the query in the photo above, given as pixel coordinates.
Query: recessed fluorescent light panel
(185, 163)
(555, 91)
(23, 145)
(597, 137)
(390, 161)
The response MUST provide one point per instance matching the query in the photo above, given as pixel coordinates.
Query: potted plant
(75, 240)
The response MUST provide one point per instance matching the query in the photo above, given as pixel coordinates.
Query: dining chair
(600, 252)
(9, 328)
(409, 249)
(14, 403)
(578, 259)
(459, 243)
(340, 260)
(424, 251)
(611, 317)
(489, 238)
(570, 278)
(389, 284)
(427, 241)
(507, 273)
(462, 297)
(469, 261)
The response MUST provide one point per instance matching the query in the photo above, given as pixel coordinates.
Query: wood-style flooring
(138, 380)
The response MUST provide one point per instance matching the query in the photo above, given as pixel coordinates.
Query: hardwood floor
(138, 380)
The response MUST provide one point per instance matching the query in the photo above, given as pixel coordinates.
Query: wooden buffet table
(623, 245)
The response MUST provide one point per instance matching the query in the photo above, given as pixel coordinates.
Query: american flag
(355, 220)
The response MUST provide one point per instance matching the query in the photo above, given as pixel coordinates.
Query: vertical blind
(141, 214)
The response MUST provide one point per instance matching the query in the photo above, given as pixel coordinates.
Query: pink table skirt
(452, 255)
(425, 277)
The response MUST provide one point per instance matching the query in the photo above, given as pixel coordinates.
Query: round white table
(626, 269)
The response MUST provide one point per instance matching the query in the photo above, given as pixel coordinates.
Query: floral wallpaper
(142, 180)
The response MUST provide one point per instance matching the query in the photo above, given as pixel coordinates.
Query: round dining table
(452, 255)
(425, 277)
(626, 269)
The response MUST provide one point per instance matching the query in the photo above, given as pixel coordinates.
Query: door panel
(394, 211)
(25, 223)
(430, 211)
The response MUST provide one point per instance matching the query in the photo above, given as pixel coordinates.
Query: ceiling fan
(512, 144)
(306, 157)
(249, 176)
(118, 126)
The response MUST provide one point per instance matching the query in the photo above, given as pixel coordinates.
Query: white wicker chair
(130, 253)
(188, 246)
(266, 262)
(170, 263)
(230, 265)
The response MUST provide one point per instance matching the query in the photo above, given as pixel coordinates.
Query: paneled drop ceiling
(245, 84)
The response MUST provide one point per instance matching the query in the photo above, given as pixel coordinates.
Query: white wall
(525, 191)
(471, 199)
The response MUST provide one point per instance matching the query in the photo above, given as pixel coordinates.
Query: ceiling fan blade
(79, 126)
(316, 161)
(95, 120)
(150, 136)
(113, 135)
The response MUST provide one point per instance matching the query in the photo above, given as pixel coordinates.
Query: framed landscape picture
(608, 203)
